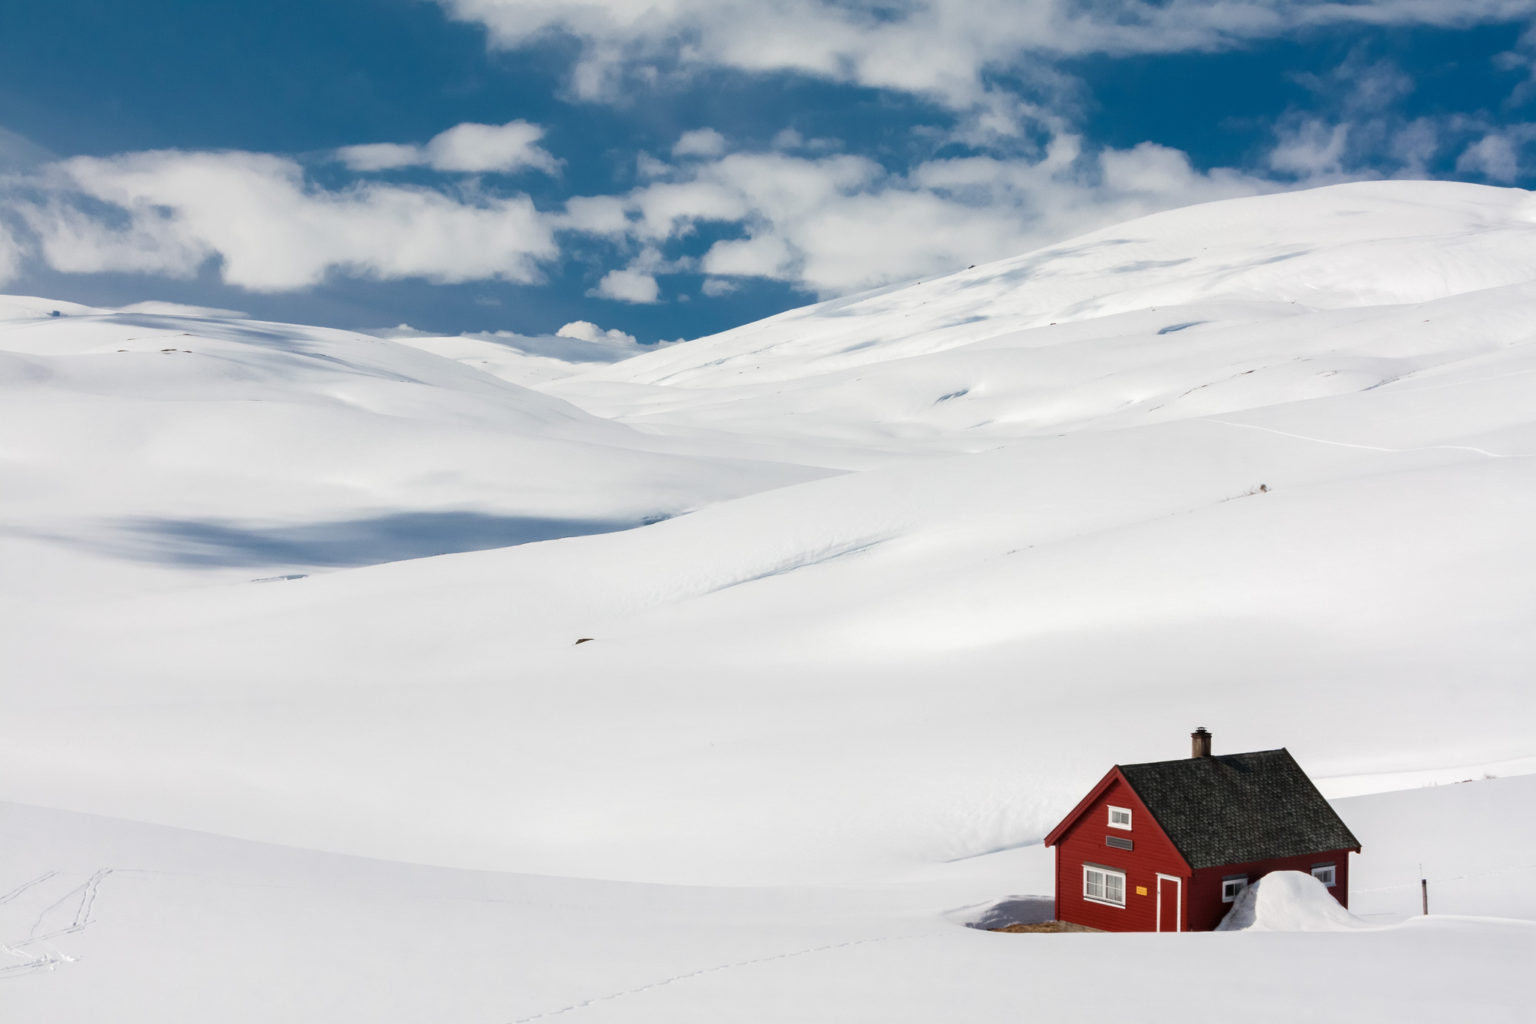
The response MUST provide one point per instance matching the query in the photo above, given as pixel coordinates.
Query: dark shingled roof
(1235, 808)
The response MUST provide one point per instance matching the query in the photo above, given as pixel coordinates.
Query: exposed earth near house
(875, 590)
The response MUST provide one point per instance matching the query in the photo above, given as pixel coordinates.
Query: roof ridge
(1178, 760)
(1238, 808)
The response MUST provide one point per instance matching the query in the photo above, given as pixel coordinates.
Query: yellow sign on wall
(1141, 890)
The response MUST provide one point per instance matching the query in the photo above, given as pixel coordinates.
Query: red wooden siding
(1082, 842)
(1203, 899)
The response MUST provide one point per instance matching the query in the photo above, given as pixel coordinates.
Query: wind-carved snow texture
(803, 561)
(52, 917)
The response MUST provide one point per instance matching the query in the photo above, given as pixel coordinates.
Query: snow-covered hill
(949, 551)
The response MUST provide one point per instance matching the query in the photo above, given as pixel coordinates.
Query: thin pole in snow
(1424, 889)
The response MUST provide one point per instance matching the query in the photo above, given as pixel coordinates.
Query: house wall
(1083, 843)
(1203, 900)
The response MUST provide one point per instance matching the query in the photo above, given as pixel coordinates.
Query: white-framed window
(1324, 873)
(1104, 885)
(1232, 887)
(1119, 817)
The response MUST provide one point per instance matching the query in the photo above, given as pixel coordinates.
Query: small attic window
(1120, 817)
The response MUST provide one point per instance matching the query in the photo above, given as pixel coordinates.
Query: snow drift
(1287, 901)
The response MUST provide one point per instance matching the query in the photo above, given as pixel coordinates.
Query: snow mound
(1288, 901)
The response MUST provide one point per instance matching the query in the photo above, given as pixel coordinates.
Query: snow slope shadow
(342, 544)
(1007, 912)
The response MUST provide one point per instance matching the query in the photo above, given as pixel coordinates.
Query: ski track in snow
(46, 960)
(1370, 447)
(24, 886)
(794, 954)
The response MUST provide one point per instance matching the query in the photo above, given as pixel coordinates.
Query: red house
(1167, 846)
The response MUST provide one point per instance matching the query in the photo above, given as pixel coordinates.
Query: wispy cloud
(1310, 148)
(465, 148)
(1355, 128)
(11, 255)
(1497, 156)
(19, 153)
(1522, 58)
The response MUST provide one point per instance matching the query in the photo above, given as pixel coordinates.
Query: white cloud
(272, 230)
(381, 156)
(465, 148)
(485, 147)
(628, 286)
(148, 242)
(788, 138)
(671, 208)
(586, 330)
(1310, 149)
(595, 215)
(699, 142)
(763, 256)
(10, 255)
(1493, 156)
(833, 224)
(940, 48)
(579, 341)
(1147, 169)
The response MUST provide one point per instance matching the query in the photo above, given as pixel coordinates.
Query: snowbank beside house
(1288, 901)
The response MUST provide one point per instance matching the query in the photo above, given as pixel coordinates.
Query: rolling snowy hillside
(874, 590)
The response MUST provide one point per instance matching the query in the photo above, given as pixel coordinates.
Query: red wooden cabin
(1167, 846)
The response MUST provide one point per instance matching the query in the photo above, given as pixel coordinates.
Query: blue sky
(668, 168)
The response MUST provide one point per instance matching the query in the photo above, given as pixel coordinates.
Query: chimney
(1200, 743)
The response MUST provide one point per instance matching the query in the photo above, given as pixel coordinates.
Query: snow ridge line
(719, 967)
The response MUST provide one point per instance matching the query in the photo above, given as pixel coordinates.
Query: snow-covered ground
(875, 589)
(107, 915)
